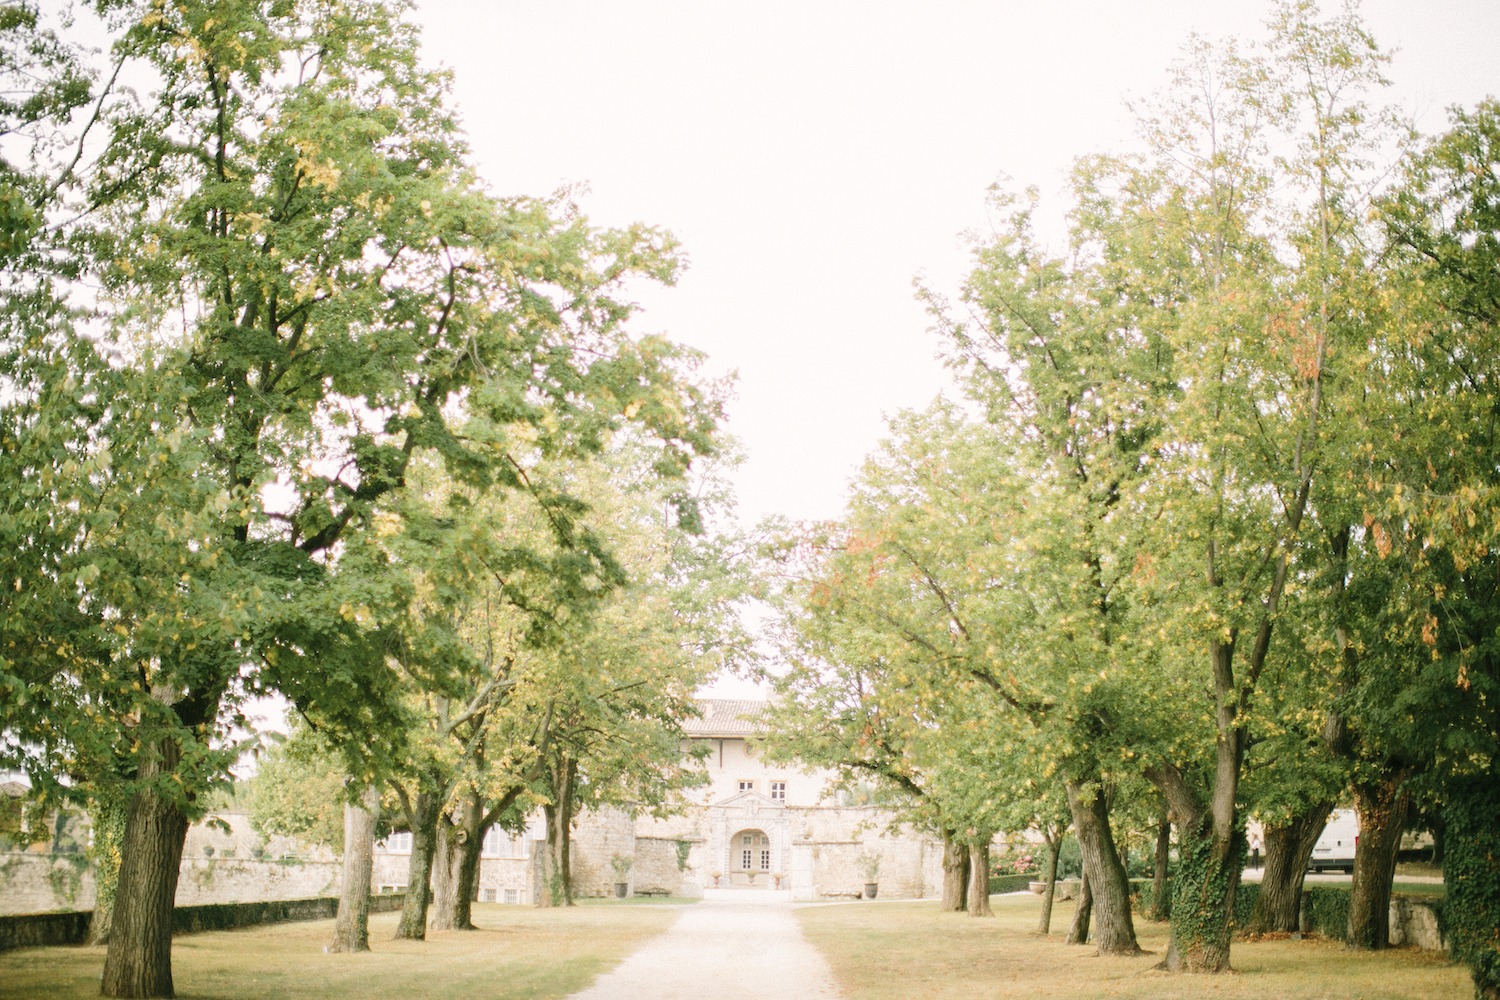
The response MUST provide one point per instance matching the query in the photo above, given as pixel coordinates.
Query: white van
(1335, 847)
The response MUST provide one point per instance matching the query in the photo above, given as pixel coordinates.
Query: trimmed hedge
(1325, 908)
(1010, 883)
(1325, 911)
(39, 930)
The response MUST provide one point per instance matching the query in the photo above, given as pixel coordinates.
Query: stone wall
(597, 837)
(42, 883)
(657, 871)
(1414, 923)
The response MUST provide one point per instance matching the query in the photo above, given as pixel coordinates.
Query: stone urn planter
(621, 863)
(1037, 887)
(871, 888)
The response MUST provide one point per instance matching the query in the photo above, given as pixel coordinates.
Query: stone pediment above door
(749, 804)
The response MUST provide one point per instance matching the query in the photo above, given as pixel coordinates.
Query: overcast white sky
(815, 156)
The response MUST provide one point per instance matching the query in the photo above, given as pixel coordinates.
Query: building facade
(753, 825)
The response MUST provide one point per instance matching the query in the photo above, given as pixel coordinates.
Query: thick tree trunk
(1207, 879)
(138, 962)
(446, 853)
(1078, 931)
(1289, 848)
(1049, 875)
(1382, 806)
(979, 878)
(424, 818)
(1161, 893)
(1115, 933)
(351, 928)
(955, 874)
(108, 822)
(456, 869)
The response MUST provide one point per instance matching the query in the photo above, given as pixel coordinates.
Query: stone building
(754, 825)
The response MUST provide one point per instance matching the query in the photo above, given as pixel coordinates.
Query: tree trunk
(447, 850)
(456, 871)
(1161, 891)
(468, 880)
(955, 874)
(1110, 890)
(558, 890)
(108, 822)
(1289, 848)
(1211, 840)
(138, 962)
(1207, 879)
(979, 878)
(424, 818)
(549, 893)
(1049, 875)
(1078, 932)
(1382, 806)
(351, 928)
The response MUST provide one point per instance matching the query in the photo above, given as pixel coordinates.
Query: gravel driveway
(722, 950)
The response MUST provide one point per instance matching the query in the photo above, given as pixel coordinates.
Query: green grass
(518, 952)
(899, 950)
(1404, 888)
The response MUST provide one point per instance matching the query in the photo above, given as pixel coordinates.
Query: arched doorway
(750, 854)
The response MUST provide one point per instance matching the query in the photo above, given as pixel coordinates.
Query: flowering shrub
(1015, 861)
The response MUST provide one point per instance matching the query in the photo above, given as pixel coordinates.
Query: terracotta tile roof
(727, 717)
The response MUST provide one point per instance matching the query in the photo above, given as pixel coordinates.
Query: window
(755, 851)
(495, 841)
(398, 843)
(778, 791)
(747, 785)
(512, 896)
(487, 896)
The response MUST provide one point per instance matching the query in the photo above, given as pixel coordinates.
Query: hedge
(44, 929)
(1325, 908)
(1010, 883)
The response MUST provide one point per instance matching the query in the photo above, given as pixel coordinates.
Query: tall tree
(305, 287)
(1440, 517)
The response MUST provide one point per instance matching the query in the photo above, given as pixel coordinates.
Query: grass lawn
(903, 950)
(518, 952)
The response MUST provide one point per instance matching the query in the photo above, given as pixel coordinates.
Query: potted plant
(778, 876)
(871, 865)
(716, 877)
(621, 864)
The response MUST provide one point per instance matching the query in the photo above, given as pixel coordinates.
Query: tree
(306, 290)
(298, 791)
(930, 607)
(1438, 518)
